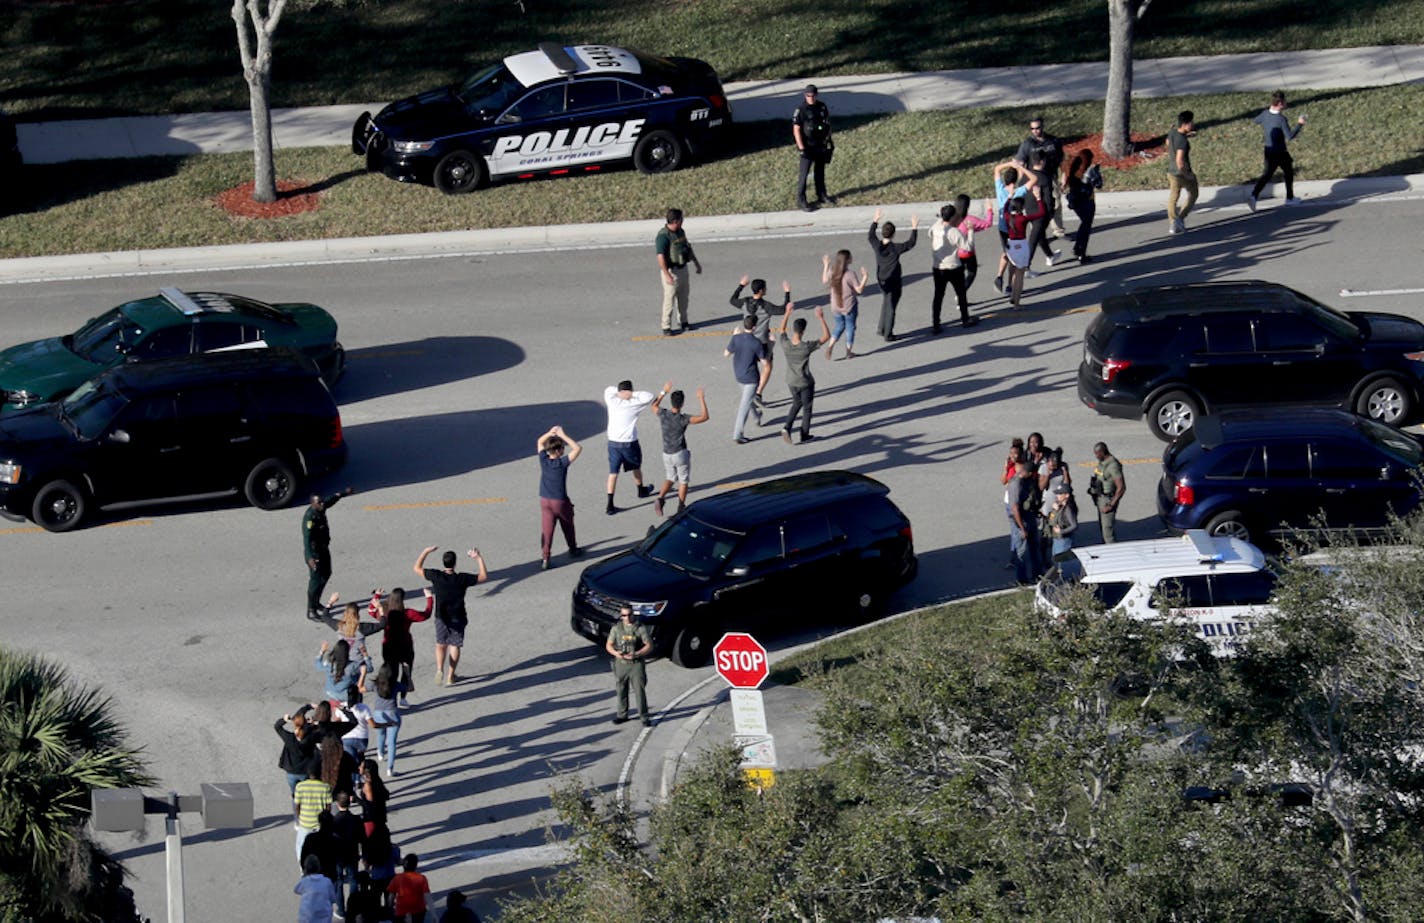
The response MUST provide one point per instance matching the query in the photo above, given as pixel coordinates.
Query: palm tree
(58, 740)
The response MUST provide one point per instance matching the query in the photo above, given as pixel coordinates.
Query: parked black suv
(758, 559)
(1247, 474)
(172, 429)
(1176, 352)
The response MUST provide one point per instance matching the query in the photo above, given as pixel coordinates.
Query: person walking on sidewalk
(451, 616)
(1048, 149)
(316, 550)
(750, 369)
(557, 450)
(1277, 132)
(628, 643)
(677, 459)
(1180, 177)
(674, 253)
(1106, 487)
(1083, 179)
(759, 308)
(799, 380)
(887, 268)
(845, 287)
(624, 452)
(811, 130)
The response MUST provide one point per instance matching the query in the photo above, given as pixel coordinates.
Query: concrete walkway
(226, 132)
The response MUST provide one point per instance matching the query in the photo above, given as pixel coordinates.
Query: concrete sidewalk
(226, 132)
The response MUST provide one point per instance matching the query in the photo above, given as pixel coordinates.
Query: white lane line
(1369, 293)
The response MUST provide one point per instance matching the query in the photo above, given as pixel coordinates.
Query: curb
(493, 241)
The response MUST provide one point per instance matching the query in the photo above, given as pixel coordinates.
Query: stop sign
(740, 660)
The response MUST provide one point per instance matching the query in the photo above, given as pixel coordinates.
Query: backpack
(1093, 177)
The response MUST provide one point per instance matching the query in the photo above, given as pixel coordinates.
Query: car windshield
(1331, 319)
(98, 340)
(1400, 445)
(90, 409)
(487, 92)
(691, 546)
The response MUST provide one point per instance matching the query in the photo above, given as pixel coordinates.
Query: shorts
(448, 635)
(678, 466)
(624, 456)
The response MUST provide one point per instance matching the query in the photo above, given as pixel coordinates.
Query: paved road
(192, 618)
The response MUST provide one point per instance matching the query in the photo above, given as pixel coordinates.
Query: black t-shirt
(674, 430)
(449, 590)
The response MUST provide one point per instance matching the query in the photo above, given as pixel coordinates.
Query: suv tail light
(1185, 496)
(337, 437)
(1111, 367)
(907, 533)
(717, 100)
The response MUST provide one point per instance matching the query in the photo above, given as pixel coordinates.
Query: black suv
(172, 429)
(1179, 351)
(755, 559)
(1247, 474)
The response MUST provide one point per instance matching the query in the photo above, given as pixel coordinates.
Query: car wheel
(658, 152)
(459, 172)
(1387, 401)
(58, 506)
(271, 485)
(1172, 414)
(1228, 524)
(692, 648)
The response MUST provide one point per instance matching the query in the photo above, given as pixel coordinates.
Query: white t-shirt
(361, 714)
(623, 413)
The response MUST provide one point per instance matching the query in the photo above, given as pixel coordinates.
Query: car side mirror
(739, 570)
(119, 435)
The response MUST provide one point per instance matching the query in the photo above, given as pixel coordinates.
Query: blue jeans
(744, 409)
(292, 779)
(845, 323)
(386, 737)
(1061, 545)
(1025, 555)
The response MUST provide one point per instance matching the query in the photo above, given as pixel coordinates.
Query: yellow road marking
(22, 530)
(378, 507)
(1125, 461)
(680, 336)
(729, 485)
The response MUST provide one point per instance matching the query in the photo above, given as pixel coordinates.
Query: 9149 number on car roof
(557, 110)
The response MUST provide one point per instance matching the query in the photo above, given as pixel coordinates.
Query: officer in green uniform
(316, 549)
(628, 643)
(1106, 488)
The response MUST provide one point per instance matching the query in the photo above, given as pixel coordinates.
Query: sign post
(741, 661)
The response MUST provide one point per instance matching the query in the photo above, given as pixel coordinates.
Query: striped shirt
(311, 798)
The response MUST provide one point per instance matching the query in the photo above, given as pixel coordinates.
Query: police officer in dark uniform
(628, 643)
(316, 549)
(811, 129)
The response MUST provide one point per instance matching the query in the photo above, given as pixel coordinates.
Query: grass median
(910, 157)
(145, 56)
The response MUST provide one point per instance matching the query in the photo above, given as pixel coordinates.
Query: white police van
(1222, 584)
(554, 111)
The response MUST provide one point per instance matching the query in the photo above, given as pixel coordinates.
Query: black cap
(810, 88)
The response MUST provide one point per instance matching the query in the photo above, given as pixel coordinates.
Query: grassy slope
(72, 58)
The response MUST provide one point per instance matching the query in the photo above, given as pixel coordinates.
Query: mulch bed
(293, 198)
(1145, 147)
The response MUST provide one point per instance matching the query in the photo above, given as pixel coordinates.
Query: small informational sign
(748, 712)
(760, 779)
(758, 750)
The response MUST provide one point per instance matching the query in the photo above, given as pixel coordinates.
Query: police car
(1222, 584)
(561, 109)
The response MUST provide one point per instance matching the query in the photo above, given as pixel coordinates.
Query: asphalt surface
(191, 617)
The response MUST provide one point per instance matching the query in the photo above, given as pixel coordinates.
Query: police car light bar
(559, 57)
(180, 300)
(1206, 548)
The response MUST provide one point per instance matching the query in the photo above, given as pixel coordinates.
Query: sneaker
(741, 440)
(999, 284)
(786, 436)
(1085, 258)
(971, 322)
(544, 564)
(1251, 202)
(667, 332)
(575, 551)
(807, 438)
(405, 703)
(390, 772)
(611, 509)
(1053, 258)
(1030, 274)
(647, 722)
(313, 615)
(829, 200)
(658, 506)
(1174, 226)
(645, 491)
(756, 412)
(1291, 202)
(805, 206)
(619, 719)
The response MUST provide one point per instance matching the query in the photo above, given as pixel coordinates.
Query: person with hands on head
(749, 369)
(677, 458)
(451, 617)
(341, 669)
(628, 643)
(316, 549)
(799, 380)
(887, 268)
(398, 645)
(557, 450)
(759, 308)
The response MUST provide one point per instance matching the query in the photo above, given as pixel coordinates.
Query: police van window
(593, 94)
(537, 105)
(170, 341)
(807, 533)
(1250, 589)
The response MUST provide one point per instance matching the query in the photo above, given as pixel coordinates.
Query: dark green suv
(169, 324)
(256, 422)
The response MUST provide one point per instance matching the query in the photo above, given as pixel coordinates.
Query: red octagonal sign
(740, 660)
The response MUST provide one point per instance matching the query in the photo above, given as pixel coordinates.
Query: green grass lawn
(142, 56)
(912, 157)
